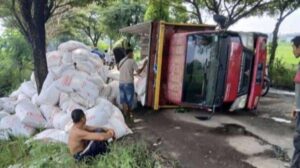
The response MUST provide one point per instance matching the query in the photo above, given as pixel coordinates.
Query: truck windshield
(201, 69)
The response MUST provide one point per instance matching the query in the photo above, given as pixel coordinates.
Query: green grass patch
(284, 53)
(123, 154)
(284, 68)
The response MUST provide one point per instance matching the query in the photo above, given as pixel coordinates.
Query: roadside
(240, 139)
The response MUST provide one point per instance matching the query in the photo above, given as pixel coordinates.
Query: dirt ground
(229, 140)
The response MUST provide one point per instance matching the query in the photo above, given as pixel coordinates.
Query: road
(229, 140)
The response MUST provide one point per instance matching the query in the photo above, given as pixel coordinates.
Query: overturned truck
(200, 67)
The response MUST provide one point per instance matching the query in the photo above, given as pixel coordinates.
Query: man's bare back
(85, 141)
(75, 143)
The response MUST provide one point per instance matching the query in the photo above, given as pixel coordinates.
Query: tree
(30, 16)
(157, 10)
(282, 9)
(167, 10)
(86, 21)
(196, 6)
(233, 10)
(121, 14)
(16, 61)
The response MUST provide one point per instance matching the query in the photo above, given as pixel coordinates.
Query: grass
(123, 154)
(284, 52)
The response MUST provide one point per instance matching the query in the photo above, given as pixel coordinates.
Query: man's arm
(139, 71)
(93, 129)
(97, 136)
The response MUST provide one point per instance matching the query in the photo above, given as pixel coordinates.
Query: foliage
(157, 10)
(121, 14)
(282, 76)
(102, 46)
(167, 10)
(38, 154)
(30, 18)
(85, 22)
(232, 10)
(284, 52)
(16, 62)
(282, 9)
(285, 67)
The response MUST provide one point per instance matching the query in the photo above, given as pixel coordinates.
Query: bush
(16, 61)
(282, 76)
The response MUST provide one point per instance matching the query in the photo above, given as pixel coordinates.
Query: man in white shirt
(127, 66)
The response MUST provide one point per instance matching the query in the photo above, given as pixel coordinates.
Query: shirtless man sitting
(85, 141)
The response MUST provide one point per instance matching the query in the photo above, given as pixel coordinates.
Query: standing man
(127, 66)
(295, 113)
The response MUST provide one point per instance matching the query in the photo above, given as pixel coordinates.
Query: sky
(264, 24)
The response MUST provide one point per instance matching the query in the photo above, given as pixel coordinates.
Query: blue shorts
(126, 93)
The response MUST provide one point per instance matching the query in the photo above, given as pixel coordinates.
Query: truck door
(258, 73)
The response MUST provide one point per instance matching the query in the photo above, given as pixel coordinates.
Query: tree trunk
(39, 57)
(274, 44)
(38, 43)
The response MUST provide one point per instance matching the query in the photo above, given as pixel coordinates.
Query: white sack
(97, 80)
(54, 58)
(64, 83)
(103, 71)
(114, 91)
(3, 114)
(96, 60)
(100, 114)
(85, 66)
(63, 97)
(70, 105)
(48, 81)
(88, 90)
(54, 135)
(61, 70)
(14, 94)
(22, 97)
(80, 55)
(71, 45)
(34, 99)
(30, 114)
(119, 126)
(16, 127)
(28, 89)
(140, 86)
(88, 103)
(60, 120)
(48, 112)
(49, 96)
(114, 74)
(8, 104)
(67, 58)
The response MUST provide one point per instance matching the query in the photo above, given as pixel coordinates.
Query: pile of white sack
(76, 80)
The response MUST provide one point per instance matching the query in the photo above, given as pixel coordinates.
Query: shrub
(282, 76)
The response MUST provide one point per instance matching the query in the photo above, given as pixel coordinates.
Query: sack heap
(76, 79)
